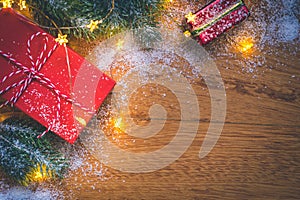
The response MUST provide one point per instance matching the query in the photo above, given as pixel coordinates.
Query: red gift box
(46, 80)
(216, 18)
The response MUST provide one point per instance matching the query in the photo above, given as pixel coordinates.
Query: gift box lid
(210, 13)
(62, 93)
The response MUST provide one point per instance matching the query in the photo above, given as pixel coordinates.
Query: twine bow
(33, 73)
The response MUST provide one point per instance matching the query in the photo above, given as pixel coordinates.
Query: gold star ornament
(61, 39)
(120, 44)
(190, 17)
(187, 33)
(22, 4)
(93, 25)
(7, 3)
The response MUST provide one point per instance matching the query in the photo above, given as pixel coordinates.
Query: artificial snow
(271, 23)
(21, 193)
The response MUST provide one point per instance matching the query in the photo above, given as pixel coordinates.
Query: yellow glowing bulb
(245, 45)
(118, 123)
(4, 116)
(37, 174)
(190, 17)
(61, 39)
(187, 33)
(93, 25)
(7, 3)
(120, 44)
(22, 4)
(81, 121)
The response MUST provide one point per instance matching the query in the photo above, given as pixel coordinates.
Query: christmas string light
(38, 174)
(22, 4)
(4, 116)
(187, 34)
(7, 3)
(120, 44)
(190, 17)
(245, 45)
(61, 39)
(93, 25)
(26, 159)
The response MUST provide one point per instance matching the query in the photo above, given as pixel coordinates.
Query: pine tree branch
(72, 16)
(21, 152)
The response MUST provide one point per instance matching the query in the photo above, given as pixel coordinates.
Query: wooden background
(256, 157)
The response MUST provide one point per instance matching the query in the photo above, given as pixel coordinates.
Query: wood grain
(256, 157)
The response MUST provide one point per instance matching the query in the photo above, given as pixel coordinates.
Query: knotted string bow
(33, 73)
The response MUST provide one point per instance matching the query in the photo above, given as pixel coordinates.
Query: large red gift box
(215, 18)
(46, 80)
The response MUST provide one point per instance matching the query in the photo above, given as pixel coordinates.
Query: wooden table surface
(256, 157)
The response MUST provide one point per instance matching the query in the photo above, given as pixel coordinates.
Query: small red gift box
(46, 80)
(215, 18)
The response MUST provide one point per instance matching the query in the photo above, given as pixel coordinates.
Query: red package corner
(215, 18)
(61, 103)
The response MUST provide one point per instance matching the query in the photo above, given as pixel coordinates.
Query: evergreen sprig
(22, 154)
(127, 14)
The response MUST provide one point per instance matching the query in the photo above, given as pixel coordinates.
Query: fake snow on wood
(272, 23)
(273, 26)
(17, 193)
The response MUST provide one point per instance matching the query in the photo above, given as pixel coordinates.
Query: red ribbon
(33, 73)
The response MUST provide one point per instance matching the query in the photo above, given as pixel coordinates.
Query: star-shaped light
(7, 3)
(81, 121)
(61, 39)
(190, 17)
(187, 33)
(93, 25)
(120, 44)
(246, 45)
(22, 4)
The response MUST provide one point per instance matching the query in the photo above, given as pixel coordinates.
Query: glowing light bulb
(37, 174)
(93, 25)
(120, 44)
(187, 33)
(7, 3)
(61, 39)
(118, 123)
(245, 45)
(190, 17)
(81, 121)
(22, 4)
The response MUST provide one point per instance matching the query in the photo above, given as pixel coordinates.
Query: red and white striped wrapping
(46, 80)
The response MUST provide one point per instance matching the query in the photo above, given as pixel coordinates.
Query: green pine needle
(127, 14)
(26, 158)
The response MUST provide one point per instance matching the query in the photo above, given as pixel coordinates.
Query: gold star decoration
(81, 121)
(7, 3)
(22, 4)
(245, 45)
(61, 39)
(190, 17)
(187, 33)
(93, 25)
(120, 44)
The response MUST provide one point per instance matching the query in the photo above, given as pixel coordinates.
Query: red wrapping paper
(216, 18)
(87, 87)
